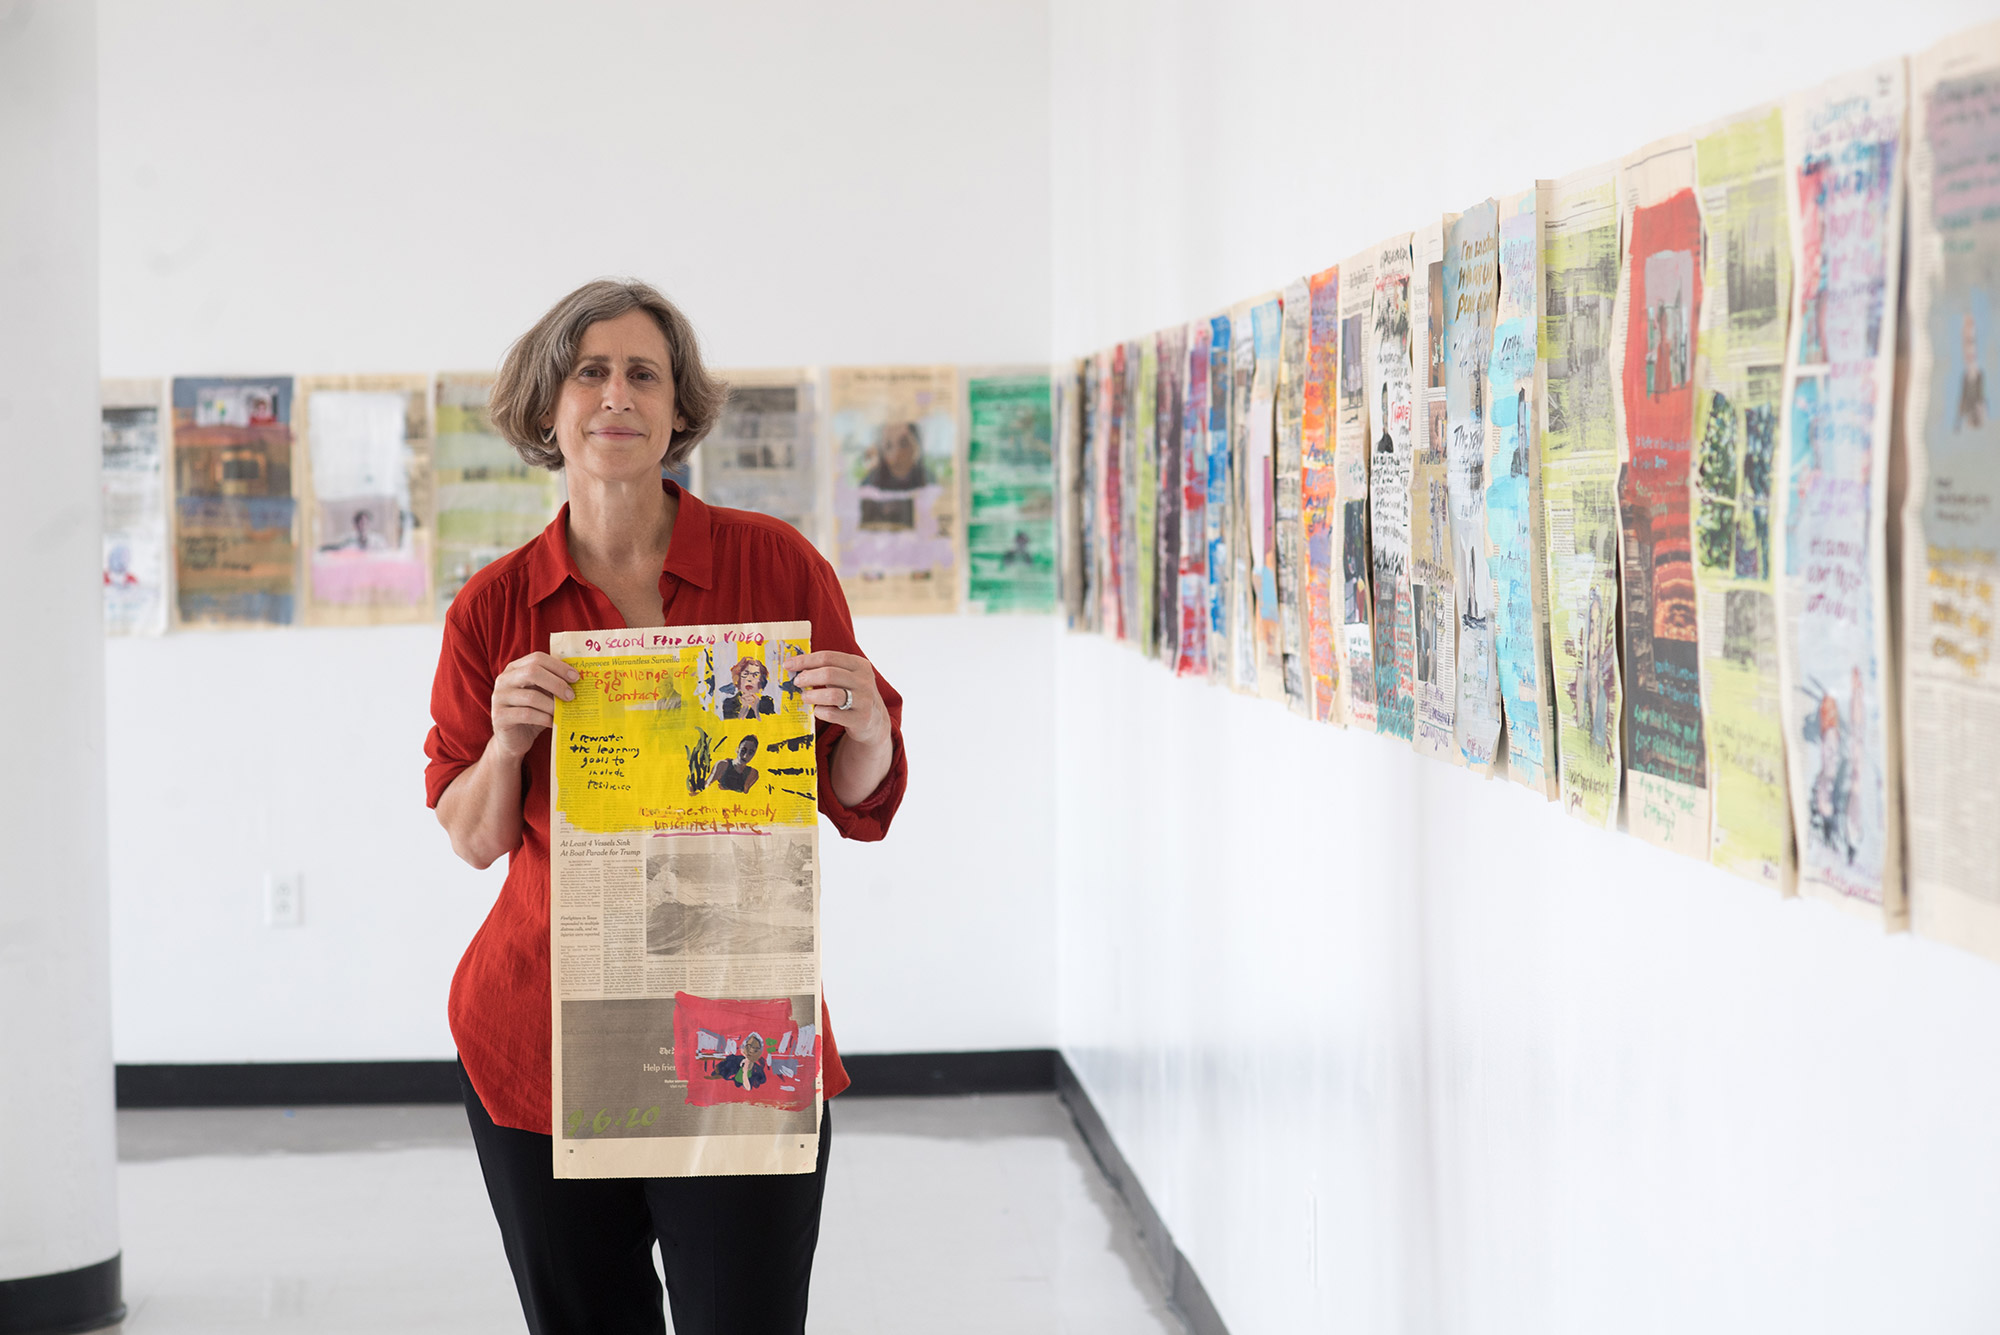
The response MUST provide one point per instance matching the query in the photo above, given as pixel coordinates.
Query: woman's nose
(617, 395)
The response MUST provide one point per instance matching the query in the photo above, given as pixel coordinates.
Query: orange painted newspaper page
(684, 905)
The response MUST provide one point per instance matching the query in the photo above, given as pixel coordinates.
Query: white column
(58, 1144)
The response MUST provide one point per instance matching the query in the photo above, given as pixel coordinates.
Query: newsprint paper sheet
(684, 905)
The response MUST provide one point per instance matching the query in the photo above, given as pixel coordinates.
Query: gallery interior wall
(1393, 1049)
(374, 186)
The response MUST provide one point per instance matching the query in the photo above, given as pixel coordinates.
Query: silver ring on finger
(848, 703)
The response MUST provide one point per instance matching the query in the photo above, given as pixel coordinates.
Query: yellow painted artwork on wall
(694, 729)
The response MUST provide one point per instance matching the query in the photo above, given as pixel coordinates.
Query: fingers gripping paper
(684, 905)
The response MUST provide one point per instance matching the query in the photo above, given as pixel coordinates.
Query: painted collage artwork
(896, 486)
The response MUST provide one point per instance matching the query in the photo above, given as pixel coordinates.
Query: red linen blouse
(722, 567)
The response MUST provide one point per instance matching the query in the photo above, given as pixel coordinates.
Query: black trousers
(738, 1251)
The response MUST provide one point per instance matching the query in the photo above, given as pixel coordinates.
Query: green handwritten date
(609, 1119)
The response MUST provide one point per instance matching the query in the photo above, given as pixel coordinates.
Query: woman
(736, 774)
(609, 387)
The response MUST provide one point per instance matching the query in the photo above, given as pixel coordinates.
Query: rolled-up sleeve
(833, 629)
(461, 705)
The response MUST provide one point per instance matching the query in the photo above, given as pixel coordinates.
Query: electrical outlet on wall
(284, 900)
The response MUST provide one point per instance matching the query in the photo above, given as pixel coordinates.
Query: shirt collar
(690, 552)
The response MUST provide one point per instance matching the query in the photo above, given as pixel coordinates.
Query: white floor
(942, 1215)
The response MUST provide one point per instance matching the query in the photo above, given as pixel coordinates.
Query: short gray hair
(531, 377)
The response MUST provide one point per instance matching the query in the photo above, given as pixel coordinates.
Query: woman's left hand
(827, 677)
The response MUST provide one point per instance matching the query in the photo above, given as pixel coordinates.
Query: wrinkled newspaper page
(1844, 154)
(1951, 535)
(684, 905)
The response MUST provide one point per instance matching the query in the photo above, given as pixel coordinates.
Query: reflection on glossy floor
(942, 1215)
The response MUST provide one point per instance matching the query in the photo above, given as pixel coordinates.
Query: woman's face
(901, 449)
(746, 749)
(750, 677)
(615, 415)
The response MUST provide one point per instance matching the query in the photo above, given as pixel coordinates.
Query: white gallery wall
(1393, 1049)
(374, 186)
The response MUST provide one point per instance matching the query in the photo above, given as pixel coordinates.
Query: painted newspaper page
(235, 532)
(489, 499)
(1580, 264)
(1191, 596)
(1433, 596)
(1951, 524)
(1294, 346)
(134, 479)
(1243, 525)
(895, 487)
(1471, 293)
(1167, 423)
(1117, 532)
(1010, 556)
(1659, 304)
(684, 905)
(1104, 450)
(1070, 397)
(1145, 417)
(1514, 499)
(1352, 442)
(762, 453)
(1260, 500)
(1221, 506)
(1318, 406)
(1391, 398)
(1739, 371)
(1844, 157)
(367, 498)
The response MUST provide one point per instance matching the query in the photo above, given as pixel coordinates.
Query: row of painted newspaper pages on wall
(351, 500)
(1600, 486)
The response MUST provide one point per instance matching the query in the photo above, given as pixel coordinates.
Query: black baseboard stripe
(902, 1074)
(71, 1301)
(324, 1084)
(287, 1084)
(1184, 1287)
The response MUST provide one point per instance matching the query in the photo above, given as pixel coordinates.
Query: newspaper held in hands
(684, 904)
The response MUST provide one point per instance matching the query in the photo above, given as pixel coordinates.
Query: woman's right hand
(524, 700)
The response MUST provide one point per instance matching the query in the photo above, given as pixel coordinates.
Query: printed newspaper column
(1844, 156)
(1070, 415)
(1433, 597)
(1192, 600)
(1739, 372)
(489, 500)
(1244, 484)
(1145, 494)
(1580, 267)
(1392, 398)
(1294, 342)
(1350, 469)
(897, 532)
(1318, 407)
(1471, 291)
(235, 540)
(1951, 524)
(370, 508)
(1167, 426)
(684, 905)
(1514, 499)
(1221, 505)
(134, 479)
(1260, 499)
(1659, 301)
(761, 454)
